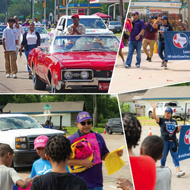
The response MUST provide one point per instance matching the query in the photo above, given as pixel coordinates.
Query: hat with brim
(82, 116)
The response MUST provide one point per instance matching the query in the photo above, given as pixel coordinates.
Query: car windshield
(2, 28)
(115, 23)
(90, 23)
(12, 123)
(84, 43)
(40, 30)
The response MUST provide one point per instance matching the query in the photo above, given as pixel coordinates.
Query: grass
(72, 130)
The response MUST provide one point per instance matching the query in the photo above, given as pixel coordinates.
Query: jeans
(161, 50)
(167, 147)
(96, 188)
(30, 47)
(132, 46)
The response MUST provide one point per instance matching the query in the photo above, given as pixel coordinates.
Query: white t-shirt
(10, 36)
(163, 178)
(8, 176)
(20, 31)
(31, 38)
(37, 23)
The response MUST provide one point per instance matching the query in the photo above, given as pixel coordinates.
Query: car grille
(103, 74)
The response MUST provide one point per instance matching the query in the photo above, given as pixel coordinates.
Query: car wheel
(54, 90)
(109, 131)
(150, 115)
(38, 83)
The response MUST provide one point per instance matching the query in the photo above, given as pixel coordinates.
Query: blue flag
(184, 143)
(177, 45)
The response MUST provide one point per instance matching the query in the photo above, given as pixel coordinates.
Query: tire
(109, 131)
(38, 83)
(150, 115)
(54, 90)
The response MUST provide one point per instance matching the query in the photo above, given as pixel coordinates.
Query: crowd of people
(51, 171)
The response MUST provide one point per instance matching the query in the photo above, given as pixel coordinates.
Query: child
(8, 176)
(41, 166)
(58, 150)
(153, 146)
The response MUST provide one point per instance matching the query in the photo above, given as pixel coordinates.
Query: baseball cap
(40, 141)
(75, 16)
(179, 20)
(164, 17)
(151, 17)
(135, 13)
(169, 110)
(82, 116)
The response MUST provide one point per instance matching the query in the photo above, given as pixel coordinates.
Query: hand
(120, 152)
(124, 184)
(20, 53)
(179, 128)
(17, 25)
(29, 180)
(159, 19)
(137, 37)
(153, 104)
(74, 28)
(87, 163)
(5, 51)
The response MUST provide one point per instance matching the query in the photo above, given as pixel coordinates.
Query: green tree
(124, 107)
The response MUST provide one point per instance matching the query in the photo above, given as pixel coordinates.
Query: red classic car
(82, 62)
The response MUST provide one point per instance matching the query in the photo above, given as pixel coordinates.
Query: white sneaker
(124, 63)
(180, 173)
(14, 76)
(8, 75)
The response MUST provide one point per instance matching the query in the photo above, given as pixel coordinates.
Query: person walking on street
(76, 28)
(162, 25)
(168, 134)
(26, 23)
(37, 22)
(149, 39)
(135, 40)
(10, 41)
(31, 40)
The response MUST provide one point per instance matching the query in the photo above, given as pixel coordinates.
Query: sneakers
(124, 63)
(8, 75)
(31, 76)
(14, 76)
(137, 66)
(180, 173)
(162, 64)
(165, 67)
(127, 66)
(147, 58)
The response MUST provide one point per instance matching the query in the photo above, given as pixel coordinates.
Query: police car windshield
(12, 123)
(115, 23)
(90, 23)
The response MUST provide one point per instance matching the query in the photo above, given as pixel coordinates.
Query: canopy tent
(102, 15)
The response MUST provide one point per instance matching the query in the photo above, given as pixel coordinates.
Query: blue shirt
(137, 27)
(92, 176)
(41, 167)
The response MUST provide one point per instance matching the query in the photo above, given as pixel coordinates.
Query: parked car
(85, 62)
(45, 38)
(114, 125)
(19, 131)
(114, 26)
(178, 111)
(2, 27)
(94, 25)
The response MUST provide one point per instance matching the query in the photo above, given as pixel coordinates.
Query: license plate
(103, 86)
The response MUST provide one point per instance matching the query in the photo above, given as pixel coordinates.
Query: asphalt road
(149, 75)
(113, 142)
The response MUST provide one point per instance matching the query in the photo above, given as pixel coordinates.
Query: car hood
(88, 60)
(98, 31)
(42, 36)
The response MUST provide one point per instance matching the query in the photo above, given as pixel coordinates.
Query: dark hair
(32, 23)
(153, 146)
(58, 148)
(132, 129)
(11, 20)
(4, 149)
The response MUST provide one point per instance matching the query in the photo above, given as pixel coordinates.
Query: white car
(94, 25)
(19, 131)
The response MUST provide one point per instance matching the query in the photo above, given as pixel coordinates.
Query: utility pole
(88, 11)
(188, 19)
(55, 1)
(121, 12)
(6, 11)
(58, 9)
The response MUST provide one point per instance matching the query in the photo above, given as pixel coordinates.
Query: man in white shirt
(36, 22)
(10, 40)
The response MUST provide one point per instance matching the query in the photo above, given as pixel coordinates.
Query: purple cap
(82, 116)
(135, 13)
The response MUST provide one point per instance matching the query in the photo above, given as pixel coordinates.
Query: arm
(22, 184)
(155, 25)
(154, 112)
(124, 184)
(38, 39)
(3, 42)
(178, 129)
(75, 162)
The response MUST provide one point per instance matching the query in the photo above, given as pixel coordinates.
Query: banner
(177, 45)
(184, 143)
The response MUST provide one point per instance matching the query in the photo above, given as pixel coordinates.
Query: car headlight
(21, 139)
(84, 75)
(21, 146)
(68, 75)
(21, 143)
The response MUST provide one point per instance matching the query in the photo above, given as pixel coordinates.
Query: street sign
(147, 11)
(21, 16)
(184, 6)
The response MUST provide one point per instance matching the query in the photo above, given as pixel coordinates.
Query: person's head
(16, 19)
(27, 20)
(135, 15)
(36, 19)
(84, 122)
(47, 122)
(168, 113)
(39, 145)
(164, 20)
(75, 19)
(132, 129)
(31, 26)
(152, 146)
(155, 17)
(151, 19)
(6, 154)
(11, 21)
(58, 149)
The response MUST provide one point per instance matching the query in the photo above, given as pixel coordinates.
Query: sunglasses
(84, 123)
(133, 14)
(74, 18)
